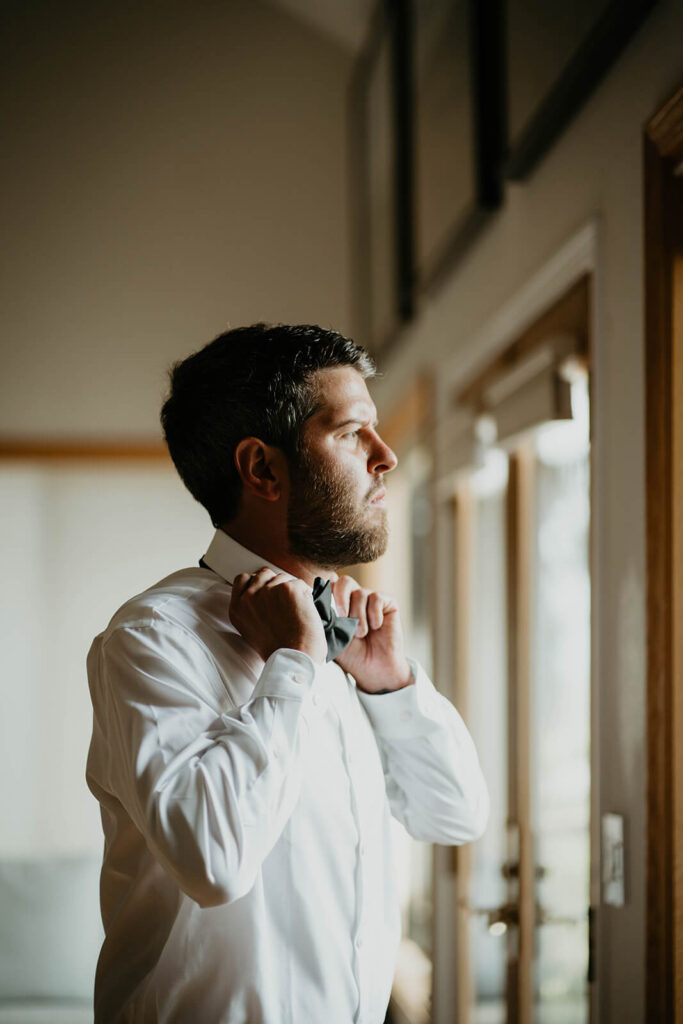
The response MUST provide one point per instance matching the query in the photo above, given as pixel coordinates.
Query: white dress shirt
(247, 875)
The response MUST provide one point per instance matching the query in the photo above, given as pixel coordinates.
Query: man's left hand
(375, 656)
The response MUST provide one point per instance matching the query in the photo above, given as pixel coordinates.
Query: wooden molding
(461, 506)
(568, 315)
(663, 146)
(519, 575)
(575, 259)
(46, 449)
(665, 129)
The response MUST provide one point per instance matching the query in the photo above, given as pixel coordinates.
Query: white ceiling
(344, 21)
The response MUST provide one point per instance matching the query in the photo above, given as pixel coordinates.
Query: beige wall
(593, 172)
(168, 169)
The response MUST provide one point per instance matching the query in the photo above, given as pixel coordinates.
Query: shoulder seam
(166, 624)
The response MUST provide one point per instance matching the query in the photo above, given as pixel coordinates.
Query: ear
(262, 468)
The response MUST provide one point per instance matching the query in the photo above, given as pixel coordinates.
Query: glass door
(481, 550)
(522, 525)
(560, 716)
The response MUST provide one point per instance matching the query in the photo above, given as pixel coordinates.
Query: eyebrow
(355, 419)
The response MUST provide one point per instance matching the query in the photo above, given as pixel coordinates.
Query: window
(517, 450)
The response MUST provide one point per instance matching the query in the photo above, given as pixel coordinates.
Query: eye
(351, 434)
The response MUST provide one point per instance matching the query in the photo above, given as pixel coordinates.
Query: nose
(382, 459)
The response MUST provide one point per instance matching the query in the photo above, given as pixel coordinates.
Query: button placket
(359, 937)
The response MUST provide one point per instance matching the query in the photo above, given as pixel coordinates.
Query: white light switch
(613, 860)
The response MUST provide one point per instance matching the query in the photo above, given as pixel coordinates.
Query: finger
(239, 584)
(342, 588)
(258, 580)
(375, 610)
(277, 579)
(296, 586)
(358, 610)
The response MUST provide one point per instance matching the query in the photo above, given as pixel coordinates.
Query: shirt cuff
(401, 714)
(287, 674)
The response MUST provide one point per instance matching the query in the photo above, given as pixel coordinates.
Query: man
(246, 780)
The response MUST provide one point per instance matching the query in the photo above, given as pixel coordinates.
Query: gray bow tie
(339, 631)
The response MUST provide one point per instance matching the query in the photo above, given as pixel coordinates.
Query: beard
(324, 524)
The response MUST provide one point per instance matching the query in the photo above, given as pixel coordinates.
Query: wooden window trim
(462, 520)
(663, 149)
(46, 449)
(519, 602)
(570, 314)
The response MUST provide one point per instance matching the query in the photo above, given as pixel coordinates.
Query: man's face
(336, 514)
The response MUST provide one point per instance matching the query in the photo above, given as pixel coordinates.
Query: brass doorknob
(507, 914)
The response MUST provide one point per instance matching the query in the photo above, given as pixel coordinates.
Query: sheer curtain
(78, 539)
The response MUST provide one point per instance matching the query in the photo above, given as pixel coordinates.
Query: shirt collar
(228, 559)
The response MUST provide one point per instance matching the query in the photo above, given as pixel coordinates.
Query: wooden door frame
(663, 150)
(461, 506)
(519, 601)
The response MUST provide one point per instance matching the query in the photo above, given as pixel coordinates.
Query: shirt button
(359, 941)
(406, 715)
(319, 701)
(297, 679)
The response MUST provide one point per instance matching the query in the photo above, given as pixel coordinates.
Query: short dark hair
(249, 382)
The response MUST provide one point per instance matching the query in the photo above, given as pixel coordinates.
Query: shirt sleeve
(434, 784)
(210, 789)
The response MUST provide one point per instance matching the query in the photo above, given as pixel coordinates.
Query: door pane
(560, 719)
(487, 719)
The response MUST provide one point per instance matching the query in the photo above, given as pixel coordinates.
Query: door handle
(504, 917)
(510, 871)
(498, 919)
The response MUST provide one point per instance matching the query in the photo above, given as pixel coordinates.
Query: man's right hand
(272, 610)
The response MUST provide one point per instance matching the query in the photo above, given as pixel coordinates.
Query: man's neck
(272, 551)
